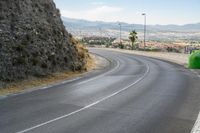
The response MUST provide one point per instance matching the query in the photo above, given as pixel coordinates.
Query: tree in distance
(133, 37)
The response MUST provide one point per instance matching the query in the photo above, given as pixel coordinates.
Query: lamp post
(144, 14)
(120, 33)
(101, 38)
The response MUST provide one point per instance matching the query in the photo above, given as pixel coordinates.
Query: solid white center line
(88, 106)
(99, 76)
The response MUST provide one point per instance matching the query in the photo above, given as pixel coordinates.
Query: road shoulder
(175, 58)
(26, 86)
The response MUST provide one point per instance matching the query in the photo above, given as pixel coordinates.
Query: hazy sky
(158, 11)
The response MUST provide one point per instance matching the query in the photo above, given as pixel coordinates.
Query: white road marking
(101, 75)
(2, 97)
(88, 106)
(68, 81)
(196, 127)
(42, 88)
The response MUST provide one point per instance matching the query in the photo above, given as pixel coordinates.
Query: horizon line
(127, 22)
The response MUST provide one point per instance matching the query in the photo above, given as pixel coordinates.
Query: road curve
(134, 94)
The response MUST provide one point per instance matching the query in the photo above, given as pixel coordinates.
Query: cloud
(105, 13)
(97, 3)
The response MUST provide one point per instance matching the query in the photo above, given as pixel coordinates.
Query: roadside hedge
(194, 60)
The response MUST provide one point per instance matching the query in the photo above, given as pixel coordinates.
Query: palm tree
(133, 37)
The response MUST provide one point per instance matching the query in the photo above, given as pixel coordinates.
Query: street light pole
(144, 14)
(120, 32)
(100, 36)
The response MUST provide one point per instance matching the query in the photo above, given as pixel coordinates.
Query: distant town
(166, 38)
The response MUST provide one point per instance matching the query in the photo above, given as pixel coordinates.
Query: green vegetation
(95, 40)
(133, 37)
(121, 46)
(194, 60)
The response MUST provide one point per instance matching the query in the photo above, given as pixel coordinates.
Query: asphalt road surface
(134, 94)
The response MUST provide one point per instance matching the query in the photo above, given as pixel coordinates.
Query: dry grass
(20, 86)
(82, 51)
(91, 63)
(35, 82)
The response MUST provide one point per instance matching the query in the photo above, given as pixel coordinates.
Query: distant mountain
(82, 24)
(81, 28)
(184, 28)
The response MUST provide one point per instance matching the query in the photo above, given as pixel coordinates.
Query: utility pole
(144, 14)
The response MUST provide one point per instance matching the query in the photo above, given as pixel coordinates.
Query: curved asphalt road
(133, 95)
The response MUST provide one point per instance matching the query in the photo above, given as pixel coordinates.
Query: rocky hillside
(34, 42)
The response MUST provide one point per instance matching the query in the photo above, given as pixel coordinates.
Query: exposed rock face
(34, 42)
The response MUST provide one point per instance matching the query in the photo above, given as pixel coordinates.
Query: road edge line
(88, 106)
(196, 126)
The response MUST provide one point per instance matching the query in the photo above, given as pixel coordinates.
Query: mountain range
(81, 24)
(80, 27)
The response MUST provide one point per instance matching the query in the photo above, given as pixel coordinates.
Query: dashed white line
(88, 106)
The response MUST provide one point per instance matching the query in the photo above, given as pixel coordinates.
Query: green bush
(194, 60)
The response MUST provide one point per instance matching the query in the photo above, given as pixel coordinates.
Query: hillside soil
(55, 78)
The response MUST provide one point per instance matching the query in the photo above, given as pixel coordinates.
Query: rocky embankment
(34, 42)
